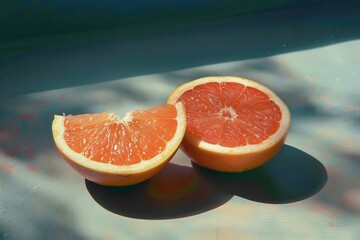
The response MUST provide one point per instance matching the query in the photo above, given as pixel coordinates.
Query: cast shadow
(180, 191)
(292, 175)
(175, 192)
(70, 60)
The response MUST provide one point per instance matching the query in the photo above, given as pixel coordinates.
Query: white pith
(228, 111)
(171, 146)
(267, 143)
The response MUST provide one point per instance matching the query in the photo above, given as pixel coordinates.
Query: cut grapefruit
(110, 150)
(233, 124)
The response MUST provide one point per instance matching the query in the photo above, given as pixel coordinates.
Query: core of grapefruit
(233, 124)
(110, 150)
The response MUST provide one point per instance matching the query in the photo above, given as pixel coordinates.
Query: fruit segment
(139, 136)
(230, 114)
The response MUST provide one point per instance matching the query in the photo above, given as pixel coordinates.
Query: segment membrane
(230, 114)
(140, 136)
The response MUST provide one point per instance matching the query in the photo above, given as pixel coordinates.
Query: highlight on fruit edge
(222, 123)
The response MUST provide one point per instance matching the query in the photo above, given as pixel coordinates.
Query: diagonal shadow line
(86, 58)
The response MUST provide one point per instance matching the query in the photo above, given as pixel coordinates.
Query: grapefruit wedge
(233, 124)
(110, 150)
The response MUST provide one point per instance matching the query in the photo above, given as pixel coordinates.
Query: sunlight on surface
(39, 190)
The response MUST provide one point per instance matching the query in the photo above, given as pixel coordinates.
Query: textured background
(306, 51)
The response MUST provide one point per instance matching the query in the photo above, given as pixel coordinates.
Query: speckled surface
(310, 190)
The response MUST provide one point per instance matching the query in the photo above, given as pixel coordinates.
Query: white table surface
(310, 190)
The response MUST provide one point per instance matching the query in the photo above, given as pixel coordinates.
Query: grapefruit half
(110, 150)
(233, 124)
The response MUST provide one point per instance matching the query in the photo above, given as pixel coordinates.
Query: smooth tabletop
(309, 190)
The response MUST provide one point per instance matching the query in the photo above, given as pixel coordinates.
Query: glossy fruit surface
(110, 150)
(233, 124)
